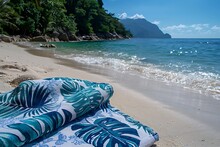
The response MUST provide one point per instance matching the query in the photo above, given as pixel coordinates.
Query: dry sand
(175, 129)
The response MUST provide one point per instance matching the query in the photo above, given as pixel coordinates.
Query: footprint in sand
(14, 67)
(2, 74)
(15, 82)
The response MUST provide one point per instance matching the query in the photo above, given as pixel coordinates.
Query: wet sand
(180, 116)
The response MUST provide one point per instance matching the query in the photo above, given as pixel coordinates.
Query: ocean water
(190, 63)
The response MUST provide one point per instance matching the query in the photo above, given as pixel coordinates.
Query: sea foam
(203, 82)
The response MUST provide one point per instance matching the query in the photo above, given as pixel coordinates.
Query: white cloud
(137, 16)
(175, 27)
(217, 28)
(156, 22)
(199, 27)
(182, 27)
(123, 15)
(193, 30)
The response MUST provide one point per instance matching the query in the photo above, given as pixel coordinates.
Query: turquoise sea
(190, 63)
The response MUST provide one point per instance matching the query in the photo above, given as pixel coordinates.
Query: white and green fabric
(67, 112)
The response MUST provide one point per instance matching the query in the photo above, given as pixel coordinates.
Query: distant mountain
(141, 28)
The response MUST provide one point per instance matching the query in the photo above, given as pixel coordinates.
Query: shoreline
(150, 109)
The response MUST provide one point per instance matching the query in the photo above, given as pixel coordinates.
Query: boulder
(5, 38)
(55, 34)
(16, 38)
(63, 37)
(86, 37)
(38, 39)
(73, 37)
(37, 33)
(94, 37)
(117, 36)
(56, 40)
(23, 39)
(48, 45)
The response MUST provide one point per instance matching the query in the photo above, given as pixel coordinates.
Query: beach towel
(67, 112)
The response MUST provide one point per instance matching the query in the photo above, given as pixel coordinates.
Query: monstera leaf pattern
(69, 88)
(107, 131)
(46, 105)
(134, 122)
(87, 99)
(38, 108)
(30, 129)
(28, 99)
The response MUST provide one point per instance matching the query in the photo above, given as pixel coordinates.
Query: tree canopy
(41, 17)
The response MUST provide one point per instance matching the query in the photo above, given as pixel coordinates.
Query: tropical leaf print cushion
(104, 126)
(67, 111)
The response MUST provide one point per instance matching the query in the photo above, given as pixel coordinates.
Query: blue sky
(180, 18)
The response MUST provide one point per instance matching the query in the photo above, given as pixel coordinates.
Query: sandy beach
(184, 125)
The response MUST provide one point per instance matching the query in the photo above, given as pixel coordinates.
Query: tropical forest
(57, 17)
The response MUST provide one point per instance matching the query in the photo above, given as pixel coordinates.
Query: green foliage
(3, 2)
(82, 17)
(86, 10)
(57, 19)
(101, 22)
(7, 18)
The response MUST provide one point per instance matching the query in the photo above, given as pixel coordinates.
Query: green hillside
(49, 17)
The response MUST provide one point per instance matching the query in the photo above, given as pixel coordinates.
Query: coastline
(173, 127)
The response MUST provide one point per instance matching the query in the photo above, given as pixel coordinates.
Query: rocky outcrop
(48, 45)
(5, 38)
(92, 37)
(73, 37)
(167, 35)
(19, 39)
(38, 39)
(109, 36)
(63, 37)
